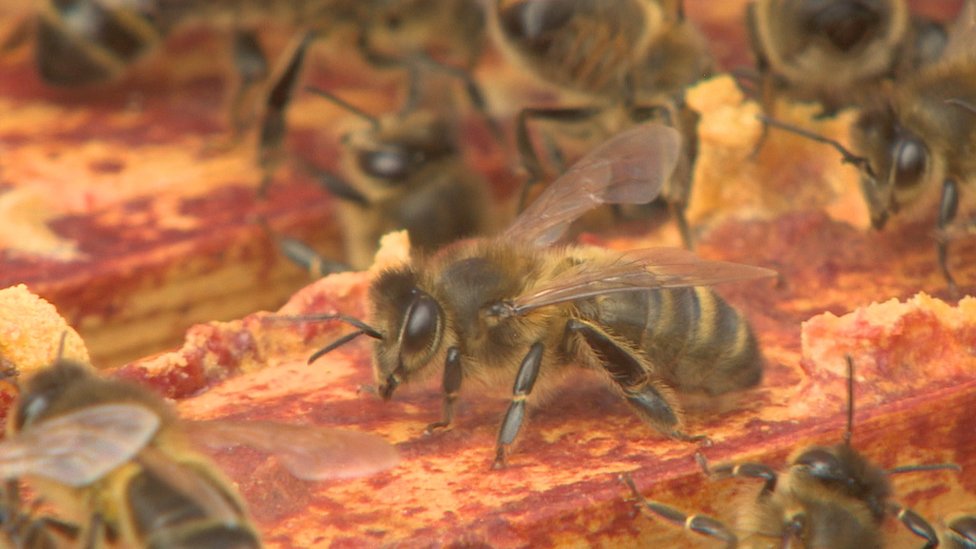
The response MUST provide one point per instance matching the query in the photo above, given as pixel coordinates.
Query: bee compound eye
(910, 159)
(387, 163)
(420, 325)
(821, 464)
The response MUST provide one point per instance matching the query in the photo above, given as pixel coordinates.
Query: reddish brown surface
(561, 487)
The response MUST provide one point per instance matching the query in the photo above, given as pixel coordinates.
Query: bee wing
(203, 491)
(80, 447)
(629, 168)
(309, 452)
(648, 268)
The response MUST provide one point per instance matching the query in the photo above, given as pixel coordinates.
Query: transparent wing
(309, 452)
(80, 447)
(630, 168)
(647, 268)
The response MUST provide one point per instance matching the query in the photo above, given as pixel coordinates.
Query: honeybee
(920, 134)
(86, 42)
(831, 496)
(630, 60)
(115, 459)
(511, 306)
(405, 170)
(836, 52)
(960, 532)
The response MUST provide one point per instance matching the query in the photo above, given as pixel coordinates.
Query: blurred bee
(922, 134)
(117, 462)
(960, 532)
(514, 307)
(86, 42)
(630, 60)
(405, 170)
(831, 496)
(20, 527)
(836, 52)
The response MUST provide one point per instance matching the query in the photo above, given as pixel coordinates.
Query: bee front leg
(918, 525)
(700, 524)
(948, 207)
(273, 122)
(631, 373)
(452, 387)
(524, 381)
(741, 470)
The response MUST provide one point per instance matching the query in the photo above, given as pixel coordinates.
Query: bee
(920, 134)
(630, 60)
(88, 42)
(831, 496)
(405, 170)
(960, 532)
(118, 463)
(836, 52)
(513, 306)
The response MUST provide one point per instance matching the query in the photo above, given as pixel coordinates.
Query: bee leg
(652, 400)
(767, 91)
(523, 141)
(308, 259)
(252, 68)
(962, 530)
(452, 387)
(918, 525)
(341, 189)
(701, 524)
(524, 381)
(273, 121)
(744, 470)
(948, 207)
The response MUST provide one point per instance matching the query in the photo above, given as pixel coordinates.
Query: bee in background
(836, 52)
(921, 135)
(960, 532)
(831, 496)
(631, 60)
(511, 306)
(114, 459)
(88, 42)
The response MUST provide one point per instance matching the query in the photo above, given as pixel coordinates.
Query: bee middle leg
(630, 372)
(524, 380)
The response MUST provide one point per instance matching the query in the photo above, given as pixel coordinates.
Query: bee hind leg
(701, 524)
(652, 400)
(528, 371)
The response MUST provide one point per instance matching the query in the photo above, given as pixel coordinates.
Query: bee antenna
(64, 337)
(373, 120)
(929, 467)
(850, 158)
(850, 401)
(961, 103)
(363, 329)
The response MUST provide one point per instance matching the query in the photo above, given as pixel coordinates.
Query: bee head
(900, 159)
(44, 390)
(400, 146)
(412, 322)
(842, 469)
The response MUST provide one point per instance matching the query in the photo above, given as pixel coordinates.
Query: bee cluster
(517, 307)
